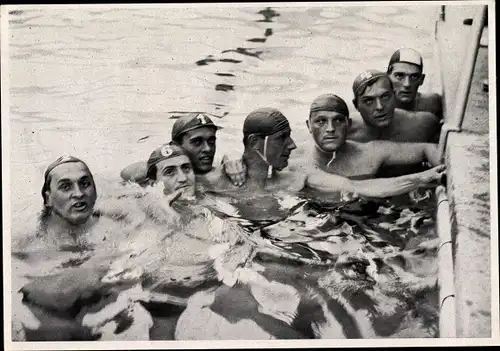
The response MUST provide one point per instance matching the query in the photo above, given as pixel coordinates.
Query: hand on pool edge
(433, 175)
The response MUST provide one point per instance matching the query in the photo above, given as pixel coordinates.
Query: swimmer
(375, 100)
(69, 230)
(196, 133)
(69, 194)
(268, 145)
(405, 71)
(329, 124)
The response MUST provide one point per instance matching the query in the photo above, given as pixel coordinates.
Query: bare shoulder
(213, 180)
(417, 116)
(358, 132)
(431, 102)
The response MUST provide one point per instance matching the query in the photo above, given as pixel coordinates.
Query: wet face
(329, 129)
(406, 78)
(279, 148)
(377, 103)
(199, 144)
(176, 173)
(72, 193)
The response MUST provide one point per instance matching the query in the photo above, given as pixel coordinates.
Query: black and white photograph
(280, 174)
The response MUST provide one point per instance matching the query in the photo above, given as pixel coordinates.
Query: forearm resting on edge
(380, 187)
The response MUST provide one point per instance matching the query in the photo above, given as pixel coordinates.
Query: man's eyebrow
(63, 180)
(167, 167)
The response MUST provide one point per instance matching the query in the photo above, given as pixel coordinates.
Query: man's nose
(291, 145)
(378, 104)
(406, 82)
(181, 176)
(77, 192)
(205, 147)
(330, 127)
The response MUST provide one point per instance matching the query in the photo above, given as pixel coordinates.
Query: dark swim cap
(407, 55)
(365, 78)
(330, 102)
(264, 121)
(190, 122)
(59, 161)
(163, 152)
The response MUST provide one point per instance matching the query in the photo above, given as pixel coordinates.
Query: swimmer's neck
(323, 156)
(56, 224)
(378, 132)
(409, 106)
(340, 150)
(200, 172)
(257, 169)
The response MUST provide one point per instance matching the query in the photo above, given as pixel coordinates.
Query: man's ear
(253, 142)
(48, 202)
(421, 80)
(308, 126)
(355, 103)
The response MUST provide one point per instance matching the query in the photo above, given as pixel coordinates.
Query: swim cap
(408, 56)
(264, 121)
(330, 102)
(190, 122)
(366, 77)
(59, 161)
(163, 152)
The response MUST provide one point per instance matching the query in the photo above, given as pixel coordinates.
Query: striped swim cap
(407, 55)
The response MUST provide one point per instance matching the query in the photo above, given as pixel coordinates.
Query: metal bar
(446, 279)
(442, 13)
(455, 123)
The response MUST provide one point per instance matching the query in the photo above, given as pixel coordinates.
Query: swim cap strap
(331, 160)
(264, 158)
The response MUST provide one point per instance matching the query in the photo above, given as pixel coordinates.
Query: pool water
(106, 84)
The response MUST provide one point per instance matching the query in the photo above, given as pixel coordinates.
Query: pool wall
(465, 275)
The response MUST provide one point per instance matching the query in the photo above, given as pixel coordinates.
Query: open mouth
(330, 138)
(80, 206)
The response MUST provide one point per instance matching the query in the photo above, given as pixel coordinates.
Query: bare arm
(431, 124)
(381, 187)
(400, 153)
